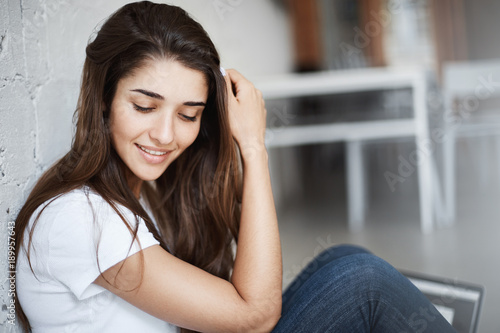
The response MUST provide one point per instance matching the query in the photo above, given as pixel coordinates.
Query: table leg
(424, 154)
(355, 185)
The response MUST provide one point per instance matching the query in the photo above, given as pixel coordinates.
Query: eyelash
(146, 110)
(141, 109)
(192, 119)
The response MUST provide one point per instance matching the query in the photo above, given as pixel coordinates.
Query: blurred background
(382, 119)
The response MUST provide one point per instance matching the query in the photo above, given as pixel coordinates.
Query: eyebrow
(160, 97)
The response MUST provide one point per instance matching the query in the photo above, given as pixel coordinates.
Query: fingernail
(223, 71)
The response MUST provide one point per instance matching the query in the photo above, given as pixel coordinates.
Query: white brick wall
(42, 47)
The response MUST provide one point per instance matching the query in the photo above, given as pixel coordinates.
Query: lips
(153, 156)
(152, 152)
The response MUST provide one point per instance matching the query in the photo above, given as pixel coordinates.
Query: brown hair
(196, 201)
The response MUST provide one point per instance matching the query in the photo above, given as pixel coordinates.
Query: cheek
(116, 128)
(189, 134)
(122, 128)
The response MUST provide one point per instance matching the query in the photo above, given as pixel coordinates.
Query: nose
(162, 131)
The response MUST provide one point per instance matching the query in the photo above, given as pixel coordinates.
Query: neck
(136, 186)
(134, 182)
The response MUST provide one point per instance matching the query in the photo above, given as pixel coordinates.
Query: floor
(312, 216)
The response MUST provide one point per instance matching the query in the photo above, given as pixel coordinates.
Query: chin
(148, 178)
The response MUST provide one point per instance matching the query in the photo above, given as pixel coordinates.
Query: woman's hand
(247, 113)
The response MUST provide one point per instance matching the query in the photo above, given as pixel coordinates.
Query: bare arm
(257, 271)
(187, 296)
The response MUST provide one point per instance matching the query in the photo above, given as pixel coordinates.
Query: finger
(239, 81)
(235, 74)
(229, 85)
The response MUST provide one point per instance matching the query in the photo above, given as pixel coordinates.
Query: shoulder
(82, 197)
(75, 202)
(80, 202)
(81, 210)
(82, 219)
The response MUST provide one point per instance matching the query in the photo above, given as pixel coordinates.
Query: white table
(353, 133)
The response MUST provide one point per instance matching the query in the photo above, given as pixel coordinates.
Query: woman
(133, 229)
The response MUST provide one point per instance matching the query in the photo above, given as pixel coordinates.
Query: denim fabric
(348, 289)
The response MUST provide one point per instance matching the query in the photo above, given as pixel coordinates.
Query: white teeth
(152, 152)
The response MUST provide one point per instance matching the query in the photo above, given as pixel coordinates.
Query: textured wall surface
(42, 47)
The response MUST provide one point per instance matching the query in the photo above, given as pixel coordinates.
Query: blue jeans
(348, 289)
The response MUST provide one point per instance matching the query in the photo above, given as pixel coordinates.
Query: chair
(467, 88)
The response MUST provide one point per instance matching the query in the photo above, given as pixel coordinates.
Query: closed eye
(142, 109)
(193, 119)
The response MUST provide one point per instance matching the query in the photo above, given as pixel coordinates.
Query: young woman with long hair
(161, 215)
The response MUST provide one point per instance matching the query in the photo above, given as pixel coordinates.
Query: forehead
(168, 78)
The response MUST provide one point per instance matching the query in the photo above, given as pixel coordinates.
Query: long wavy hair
(196, 201)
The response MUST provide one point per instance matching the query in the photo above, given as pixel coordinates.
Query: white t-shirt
(61, 297)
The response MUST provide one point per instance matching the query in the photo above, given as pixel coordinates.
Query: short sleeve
(87, 237)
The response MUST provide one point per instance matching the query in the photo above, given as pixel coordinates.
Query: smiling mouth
(152, 152)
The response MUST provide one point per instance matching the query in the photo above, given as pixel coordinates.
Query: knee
(363, 272)
(339, 251)
(369, 267)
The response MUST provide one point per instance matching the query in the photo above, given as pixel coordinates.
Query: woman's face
(155, 115)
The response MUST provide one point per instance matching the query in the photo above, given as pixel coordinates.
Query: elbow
(263, 317)
(271, 322)
(274, 315)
